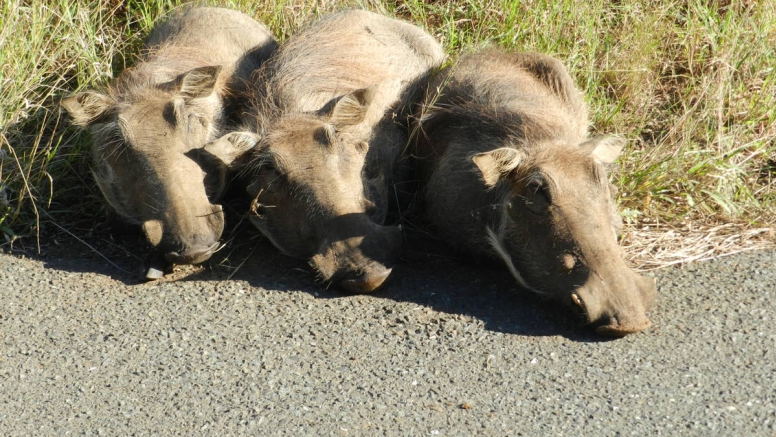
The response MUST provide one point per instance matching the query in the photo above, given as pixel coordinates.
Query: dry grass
(657, 246)
(690, 83)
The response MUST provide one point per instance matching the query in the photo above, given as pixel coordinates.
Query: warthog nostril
(193, 255)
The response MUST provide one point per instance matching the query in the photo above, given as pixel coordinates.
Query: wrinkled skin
(330, 124)
(510, 173)
(150, 127)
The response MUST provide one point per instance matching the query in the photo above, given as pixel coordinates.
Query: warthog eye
(195, 124)
(169, 114)
(535, 196)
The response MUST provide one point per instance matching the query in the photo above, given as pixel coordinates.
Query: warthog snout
(186, 242)
(153, 129)
(191, 254)
(616, 309)
(372, 278)
(362, 263)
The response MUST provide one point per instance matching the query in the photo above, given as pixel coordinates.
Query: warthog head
(311, 196)
(556, 226)
(148, 163)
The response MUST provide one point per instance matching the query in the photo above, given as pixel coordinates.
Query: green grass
(691, 84)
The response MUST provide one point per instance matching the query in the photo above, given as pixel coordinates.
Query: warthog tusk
(577, 300)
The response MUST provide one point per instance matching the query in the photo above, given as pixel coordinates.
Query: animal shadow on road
(429, 274)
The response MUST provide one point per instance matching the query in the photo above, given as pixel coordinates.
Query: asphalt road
(448, 349)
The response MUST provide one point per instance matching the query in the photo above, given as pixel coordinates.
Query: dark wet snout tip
(162, 262)
(192, 254)
(366, 282)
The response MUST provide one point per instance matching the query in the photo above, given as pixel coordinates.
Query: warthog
(150, 125)
(510, 172)
(331, 108)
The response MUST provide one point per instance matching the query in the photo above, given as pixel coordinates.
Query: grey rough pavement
(447, 349)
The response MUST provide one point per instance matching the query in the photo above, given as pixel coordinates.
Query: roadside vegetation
(691, 84)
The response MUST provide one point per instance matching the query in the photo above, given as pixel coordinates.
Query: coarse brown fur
(330, 109)
(150, 125)
(510, 172)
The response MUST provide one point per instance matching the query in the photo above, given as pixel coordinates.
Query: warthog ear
(198, 82)
(351, 108)
(232, 146)
(87, 107)
(496, 163)
(605, 149)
